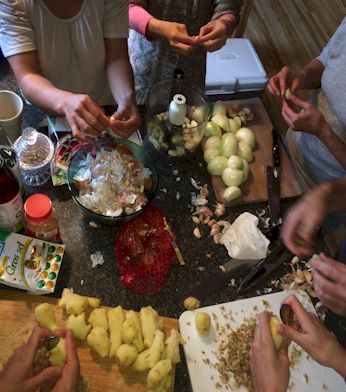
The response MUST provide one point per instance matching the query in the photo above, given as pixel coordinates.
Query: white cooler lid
(235, 68)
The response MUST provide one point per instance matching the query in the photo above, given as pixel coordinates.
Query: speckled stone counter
(103, 281)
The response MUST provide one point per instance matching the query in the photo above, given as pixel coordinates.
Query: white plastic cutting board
(235, 67)
(204, 377)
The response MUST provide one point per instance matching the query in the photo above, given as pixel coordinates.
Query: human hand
(19, 373)
(329, 278)
(302, 221)
(305, 117)
(126, 119)
(69, 380)
(214, 34)
(84, 116)
(175, 33)
(286, 78)
(269, 367)
(312, 332)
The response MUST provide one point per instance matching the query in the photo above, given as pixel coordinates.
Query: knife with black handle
(274, 180)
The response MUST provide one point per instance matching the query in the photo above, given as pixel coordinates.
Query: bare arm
(81, 112)
(120, 80)
(312, 75)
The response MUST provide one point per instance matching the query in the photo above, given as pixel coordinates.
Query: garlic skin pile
(111, 183)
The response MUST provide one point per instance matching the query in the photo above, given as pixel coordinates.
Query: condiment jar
(41, 220)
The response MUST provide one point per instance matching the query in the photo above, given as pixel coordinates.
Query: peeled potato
(277, 338)
(73, 303)
(78, 326)
(98, 341)
(203, 323)
(158, 373)
(44, 315)
(126, 354)
(57, 356)
(98, 318)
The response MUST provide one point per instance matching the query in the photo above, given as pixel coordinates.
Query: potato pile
(229, 148)
(134, 341)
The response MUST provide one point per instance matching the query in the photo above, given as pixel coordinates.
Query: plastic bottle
(41, 220)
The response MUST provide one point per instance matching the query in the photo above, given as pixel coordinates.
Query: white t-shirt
(71, 51)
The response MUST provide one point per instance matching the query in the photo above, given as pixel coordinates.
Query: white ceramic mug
(11, 108)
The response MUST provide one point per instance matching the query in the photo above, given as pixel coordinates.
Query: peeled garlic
(197, 232)
(231, 193)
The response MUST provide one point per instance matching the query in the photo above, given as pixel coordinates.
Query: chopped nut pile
(233, 355)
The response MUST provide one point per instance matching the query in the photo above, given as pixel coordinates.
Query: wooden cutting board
(255, 188)
(102, 374)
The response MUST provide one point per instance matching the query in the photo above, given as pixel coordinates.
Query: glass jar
(41, 220)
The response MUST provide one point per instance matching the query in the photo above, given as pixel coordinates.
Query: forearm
(340, 362)
(335, 145)
(43, 94)
(333, 195)
(312, 75)
(120, 79)
(232, 22)
(156, 28)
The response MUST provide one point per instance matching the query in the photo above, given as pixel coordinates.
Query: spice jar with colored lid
(41, 220)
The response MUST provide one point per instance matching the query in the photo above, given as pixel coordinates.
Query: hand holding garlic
(286, 78)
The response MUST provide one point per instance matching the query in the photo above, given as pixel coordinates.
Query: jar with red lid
(41, 220)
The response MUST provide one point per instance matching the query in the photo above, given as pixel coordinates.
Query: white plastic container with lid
(235, 68)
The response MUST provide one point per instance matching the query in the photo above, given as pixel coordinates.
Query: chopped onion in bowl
(112, 183)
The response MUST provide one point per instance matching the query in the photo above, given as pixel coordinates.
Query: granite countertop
(202, 256)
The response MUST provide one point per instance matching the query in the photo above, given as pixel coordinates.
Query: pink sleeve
(138, 18)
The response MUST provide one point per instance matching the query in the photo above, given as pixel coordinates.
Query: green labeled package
(28, 263)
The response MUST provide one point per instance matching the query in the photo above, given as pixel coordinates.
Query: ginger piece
(78, 326)
(73, 303)
(98, 341)
(98, 318)
(116, 317)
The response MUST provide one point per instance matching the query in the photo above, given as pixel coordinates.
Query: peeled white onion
(232, 177)
(213, 142)
(244, 151)
(217, 165)
(245, 169)
(222, 121)
(234, 125)
(247, 136)
(218, 108)
(229, 145)
(231, 193)
(212, 129)
(234, 162)
(238, 120)
(198, 114)
(210, 154)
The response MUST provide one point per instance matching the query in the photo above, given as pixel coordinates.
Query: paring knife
(274, 180)
(233, 269)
